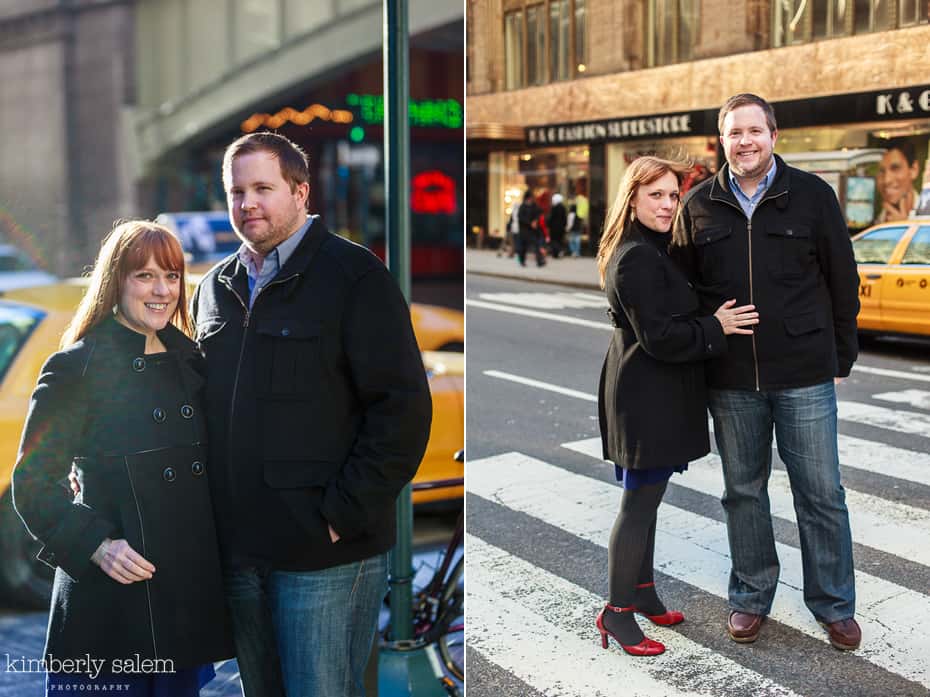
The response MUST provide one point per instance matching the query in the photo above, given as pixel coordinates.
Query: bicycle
(438, 609)
(439, 606)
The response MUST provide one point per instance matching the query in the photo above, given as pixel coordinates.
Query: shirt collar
(763, 185)
(278, 256)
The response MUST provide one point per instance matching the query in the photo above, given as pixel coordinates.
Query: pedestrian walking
(774, 236)
(556, 222)
(651, 399)
(575, 225)
(529, 237)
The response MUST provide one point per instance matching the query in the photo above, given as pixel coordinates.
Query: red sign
(432, 193)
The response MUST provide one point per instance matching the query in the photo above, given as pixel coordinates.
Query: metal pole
(404, 666)
(397, 195)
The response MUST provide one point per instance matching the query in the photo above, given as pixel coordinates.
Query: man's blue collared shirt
(273, 261)
(749, 203)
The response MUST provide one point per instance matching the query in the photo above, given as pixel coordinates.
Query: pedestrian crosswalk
(549, 301)
(537, 623)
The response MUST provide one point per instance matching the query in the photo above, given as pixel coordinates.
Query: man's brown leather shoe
(845, 635)
(744, 627)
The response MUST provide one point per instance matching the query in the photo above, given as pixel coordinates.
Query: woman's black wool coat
(652, 402)
(132, 423)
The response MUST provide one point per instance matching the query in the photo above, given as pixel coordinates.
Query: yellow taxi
(894, 277)
(31, 324)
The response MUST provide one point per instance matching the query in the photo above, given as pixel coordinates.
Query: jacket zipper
(148, 593)
(755, 355)
(245, 327)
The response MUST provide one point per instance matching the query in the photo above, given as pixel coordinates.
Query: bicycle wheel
(451, 641)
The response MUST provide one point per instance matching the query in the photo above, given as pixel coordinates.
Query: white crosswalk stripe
(548, 301)
(884, 525)
(694, 549)
(910, 422)
(557, 638)
(919, 399)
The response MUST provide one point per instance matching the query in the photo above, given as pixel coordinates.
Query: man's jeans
(805, 428)
(305, 633)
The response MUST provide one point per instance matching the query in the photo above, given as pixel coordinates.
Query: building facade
(122, 108)
(563, 94)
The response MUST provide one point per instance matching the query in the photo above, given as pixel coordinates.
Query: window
(513, 50)
(535, 46)
(559, 43)
(871, 15)
(672, 30)
(799, 21)
(581, 55)
(544, 42)
(830, 18)
(876, 247)
(918, 251)
(791, 17)
(912, 12)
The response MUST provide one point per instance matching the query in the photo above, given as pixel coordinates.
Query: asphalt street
(22, 635)
(541, 503)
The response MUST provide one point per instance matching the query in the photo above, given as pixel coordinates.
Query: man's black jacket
(317, 402)
(793, 260)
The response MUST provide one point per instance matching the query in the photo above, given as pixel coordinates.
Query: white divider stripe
(605, 325)
(888, 526)
(541, 385)
(919, 399)
(540, 628)
(872, 456)
(548, 301)
(858, 453)
(888, 373)
(893, 419)
(694, 549)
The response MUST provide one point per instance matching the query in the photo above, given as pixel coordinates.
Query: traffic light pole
(404, 666)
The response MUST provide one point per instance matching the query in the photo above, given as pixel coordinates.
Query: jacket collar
(133, 342)
(720, 189)
(234, 276)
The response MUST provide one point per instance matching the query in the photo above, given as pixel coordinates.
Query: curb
(534, 279)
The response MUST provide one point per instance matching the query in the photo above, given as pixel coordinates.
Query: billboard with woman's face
(898, 179)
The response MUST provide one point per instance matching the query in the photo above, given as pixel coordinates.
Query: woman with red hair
(138, 599)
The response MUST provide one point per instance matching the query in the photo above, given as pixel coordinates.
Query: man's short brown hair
(747, 99)
(295, 167)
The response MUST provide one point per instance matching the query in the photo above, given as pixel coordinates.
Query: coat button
(187, 411)
(710, 347)
(169, 474)
(138, 364)
(159, 415)
(285, 332)
(197, 468)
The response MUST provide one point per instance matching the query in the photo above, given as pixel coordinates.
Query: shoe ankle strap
(614, 608)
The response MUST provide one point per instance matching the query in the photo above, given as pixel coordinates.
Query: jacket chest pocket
(790, 250)
(288, 356)
(711, 244)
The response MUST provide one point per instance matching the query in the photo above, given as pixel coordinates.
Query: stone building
(121, 108)
(562, 94)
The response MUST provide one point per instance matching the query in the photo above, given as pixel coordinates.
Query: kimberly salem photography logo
(90, 666)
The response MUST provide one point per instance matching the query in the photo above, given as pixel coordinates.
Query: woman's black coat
(652, 401)
(133, 425)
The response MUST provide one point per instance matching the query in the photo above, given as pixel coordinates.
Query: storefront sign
(616, 129)
(903, 103)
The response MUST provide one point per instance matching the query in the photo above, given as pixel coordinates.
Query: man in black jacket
(774, 236)
(318, 411)
(528, 217)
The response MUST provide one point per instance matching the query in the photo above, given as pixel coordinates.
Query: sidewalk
(578, 273)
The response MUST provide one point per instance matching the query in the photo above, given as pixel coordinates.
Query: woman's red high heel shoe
(647, 647)
(667, 618)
